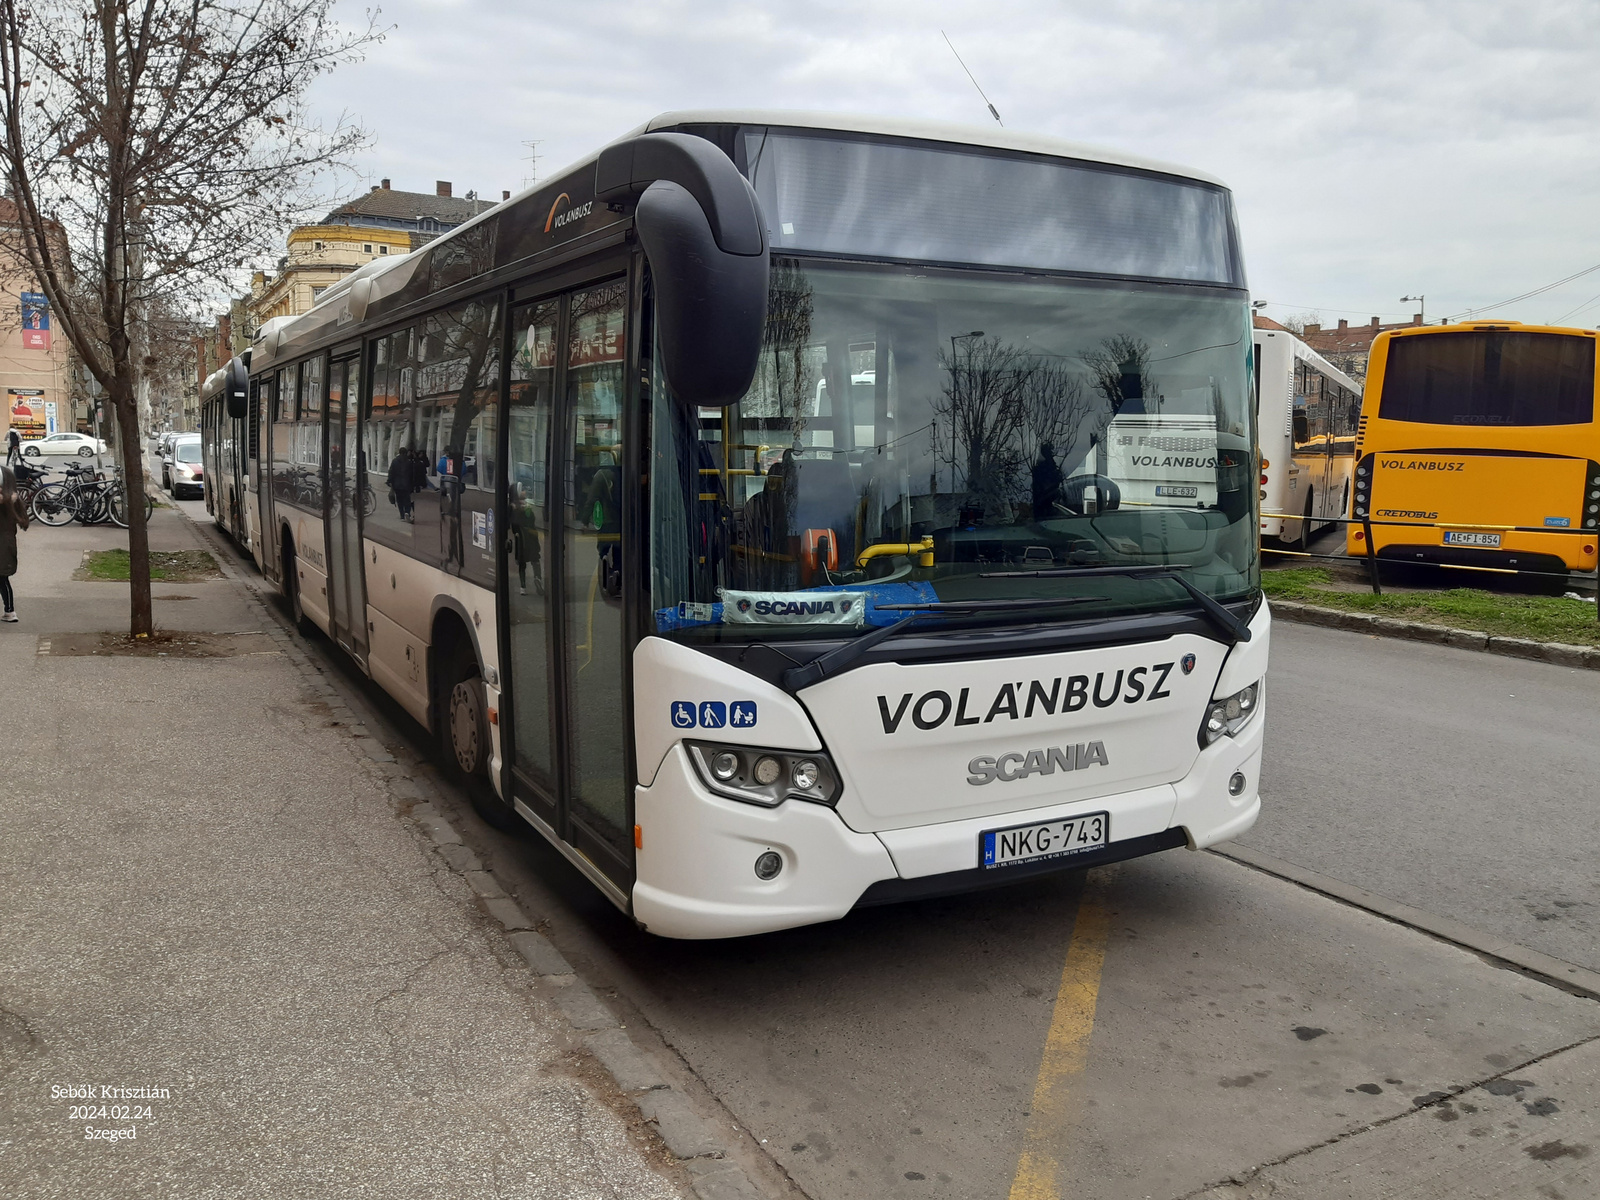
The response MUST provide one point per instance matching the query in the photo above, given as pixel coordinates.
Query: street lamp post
(1423, 301)
(961, 337)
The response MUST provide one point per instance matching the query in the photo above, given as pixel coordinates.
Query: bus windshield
(922, 436)
(1489, 377)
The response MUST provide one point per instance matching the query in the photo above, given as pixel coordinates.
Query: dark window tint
(1489, 378)
(949, 204)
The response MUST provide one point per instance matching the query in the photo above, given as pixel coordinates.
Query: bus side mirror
(1302, 428)
(703, 233)
(236, 379)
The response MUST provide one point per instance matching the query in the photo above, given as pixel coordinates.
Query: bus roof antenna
(993, 112)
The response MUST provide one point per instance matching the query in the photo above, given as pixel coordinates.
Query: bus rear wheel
(1302, 541)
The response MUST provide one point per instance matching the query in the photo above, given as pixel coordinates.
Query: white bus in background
(682, 499)
(1307, 411)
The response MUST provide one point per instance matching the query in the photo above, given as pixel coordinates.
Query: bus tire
(464, 737)
(303, 624)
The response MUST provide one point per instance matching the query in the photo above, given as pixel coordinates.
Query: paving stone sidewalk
(210, 892)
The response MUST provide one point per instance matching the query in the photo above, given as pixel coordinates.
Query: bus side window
(396, 472)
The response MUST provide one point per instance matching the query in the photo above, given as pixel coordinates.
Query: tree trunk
(140, 621)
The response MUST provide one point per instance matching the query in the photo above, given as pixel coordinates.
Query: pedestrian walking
(13, 448)
(399, 480)
(13, 516)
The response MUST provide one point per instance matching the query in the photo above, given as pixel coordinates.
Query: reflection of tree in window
(979, 416)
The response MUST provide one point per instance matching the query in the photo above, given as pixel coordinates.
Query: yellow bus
(1480, 440)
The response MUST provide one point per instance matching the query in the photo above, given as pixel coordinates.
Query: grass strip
(1537, 618)
(166, 566)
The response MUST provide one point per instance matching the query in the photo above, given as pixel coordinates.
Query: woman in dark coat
(13, 516)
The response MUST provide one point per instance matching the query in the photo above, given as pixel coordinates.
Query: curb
(696, 1142)
(1559, 653)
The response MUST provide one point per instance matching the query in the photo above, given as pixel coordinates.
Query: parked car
(181, 471)
(80, 444)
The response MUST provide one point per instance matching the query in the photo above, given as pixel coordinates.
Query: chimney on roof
(1343, 325)
(505, 195)
(441, 187)
(374, 187)
(1309, 329)
(1375, 322)
(1416, 318)
(384, 185)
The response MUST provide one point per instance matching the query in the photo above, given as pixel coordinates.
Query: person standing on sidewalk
(13, 448)
(13, 516)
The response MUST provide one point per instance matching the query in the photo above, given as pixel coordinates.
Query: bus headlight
(1226, 717)
(765, 777)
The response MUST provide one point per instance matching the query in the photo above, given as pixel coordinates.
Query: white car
(80, 444)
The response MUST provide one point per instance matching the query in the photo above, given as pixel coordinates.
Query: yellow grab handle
(923, 550)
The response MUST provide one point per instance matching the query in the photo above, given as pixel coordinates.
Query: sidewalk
(208, 894)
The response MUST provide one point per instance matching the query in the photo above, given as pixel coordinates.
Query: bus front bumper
(696, 874)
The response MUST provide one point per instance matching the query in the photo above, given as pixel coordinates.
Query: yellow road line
(1066, 1047)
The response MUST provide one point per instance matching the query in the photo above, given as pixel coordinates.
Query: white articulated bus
(1307, 411)
(748, 510)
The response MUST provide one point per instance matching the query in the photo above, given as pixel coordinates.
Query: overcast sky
(1376, 149)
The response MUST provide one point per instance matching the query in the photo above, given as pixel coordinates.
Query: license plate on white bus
(1177, 491)
(1461, 538)
(1046, 839)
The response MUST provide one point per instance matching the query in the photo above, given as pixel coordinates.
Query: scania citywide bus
(1307, 411)
(1478, 447)
(786, 513)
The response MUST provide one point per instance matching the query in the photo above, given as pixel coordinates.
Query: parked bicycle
(88, 498)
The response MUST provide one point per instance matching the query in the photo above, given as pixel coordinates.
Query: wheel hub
(464, 724)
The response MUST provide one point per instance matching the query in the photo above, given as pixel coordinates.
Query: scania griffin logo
(932, 709)
(1187, 663)
(1008, 767)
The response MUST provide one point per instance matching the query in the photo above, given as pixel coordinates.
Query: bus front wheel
(465, 739)
(291, 587)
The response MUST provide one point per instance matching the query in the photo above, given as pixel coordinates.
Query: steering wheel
(1110, 495)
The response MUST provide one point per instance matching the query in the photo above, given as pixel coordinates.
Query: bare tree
(785, 370)
(1059, 412)
(170, 140)
(982, 411)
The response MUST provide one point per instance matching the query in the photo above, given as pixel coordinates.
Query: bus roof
(393, 272)
(988, 136)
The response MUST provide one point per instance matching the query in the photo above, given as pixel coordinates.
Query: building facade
(1347, 346)
(36, 363)
(381, 222)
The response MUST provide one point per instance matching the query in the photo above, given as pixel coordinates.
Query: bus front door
(561, 569)
(347, 599)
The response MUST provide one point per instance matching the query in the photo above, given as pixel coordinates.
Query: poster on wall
(35, 321)
(27, 412)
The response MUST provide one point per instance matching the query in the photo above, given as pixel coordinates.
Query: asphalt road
(1462, 783)
(1237, 1020)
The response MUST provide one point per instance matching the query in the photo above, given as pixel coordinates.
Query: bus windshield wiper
(840, 657)
(1231, 627)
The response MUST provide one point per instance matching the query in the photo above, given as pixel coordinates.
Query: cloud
(1375, 149)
